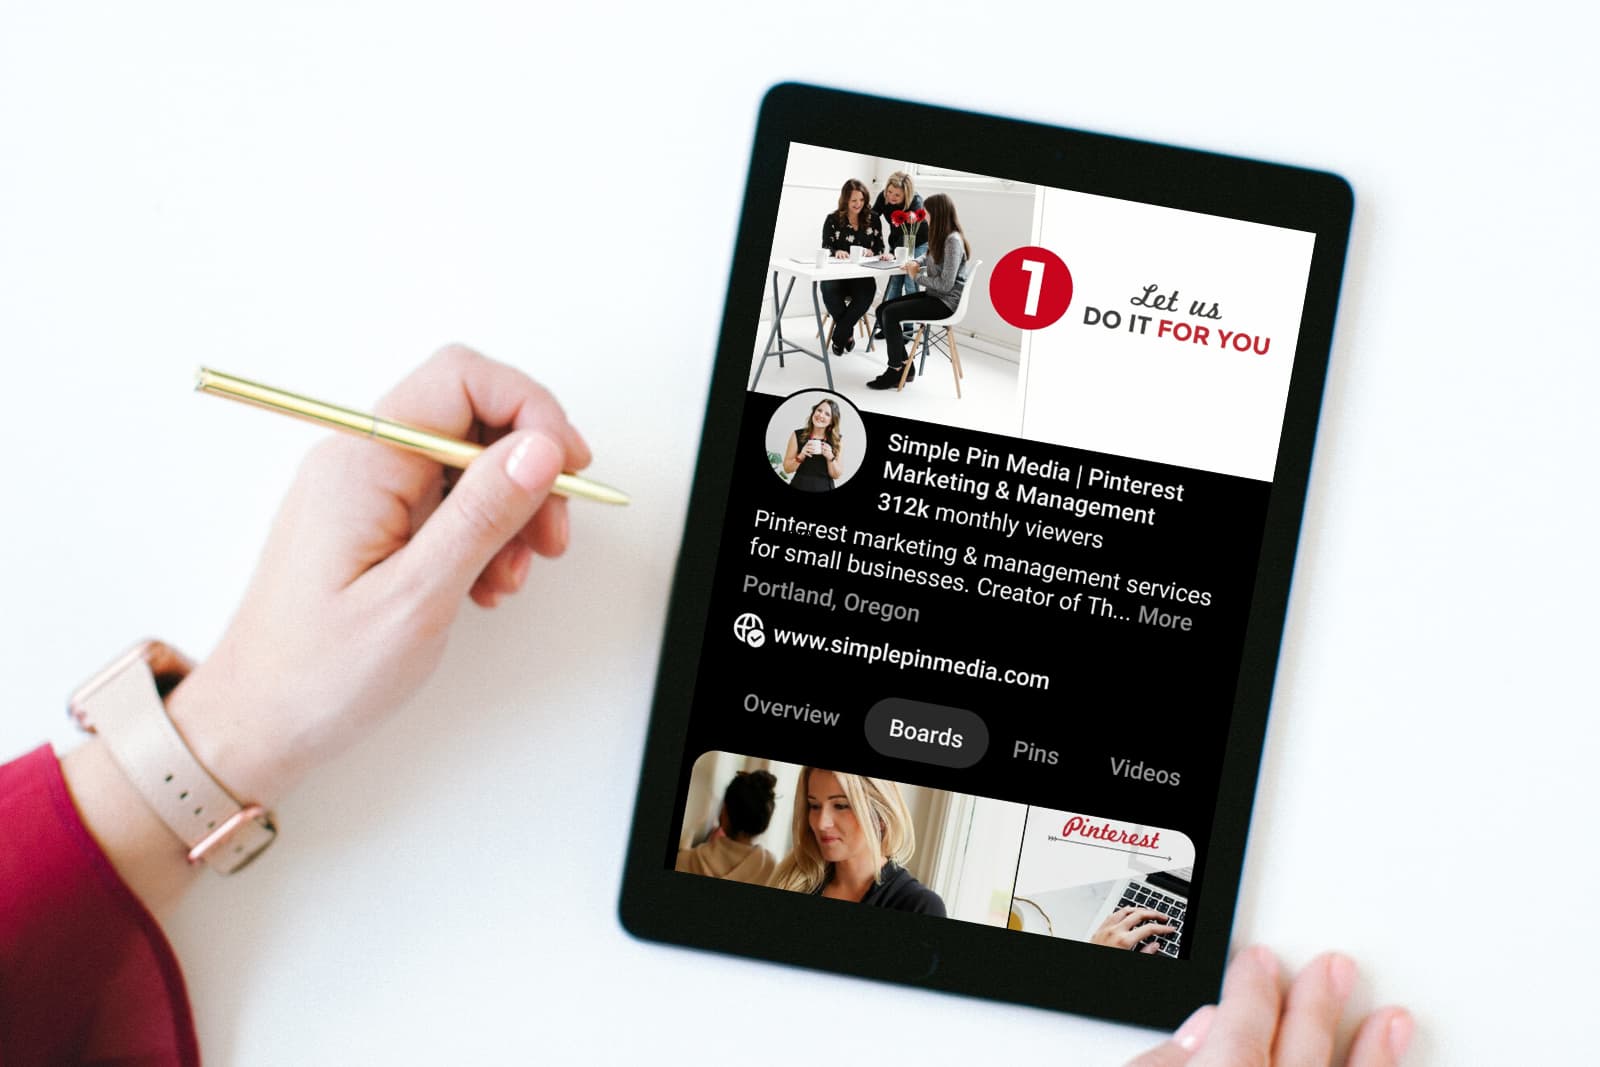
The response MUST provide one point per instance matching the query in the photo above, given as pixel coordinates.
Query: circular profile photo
(816, 441)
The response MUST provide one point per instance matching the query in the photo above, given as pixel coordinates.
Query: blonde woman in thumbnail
(813, 451)
(852, 838)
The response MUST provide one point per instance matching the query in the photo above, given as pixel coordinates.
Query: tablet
(972, 638)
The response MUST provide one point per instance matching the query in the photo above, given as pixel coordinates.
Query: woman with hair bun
(852, 837)
(731, 851)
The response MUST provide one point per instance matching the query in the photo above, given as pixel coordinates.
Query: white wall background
(320, 194)
(811, 184)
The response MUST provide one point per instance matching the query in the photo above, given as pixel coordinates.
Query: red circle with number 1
(1030, 288)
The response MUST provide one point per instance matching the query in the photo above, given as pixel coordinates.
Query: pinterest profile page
(977, 634)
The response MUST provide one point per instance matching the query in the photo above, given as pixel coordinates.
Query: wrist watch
(124, 706)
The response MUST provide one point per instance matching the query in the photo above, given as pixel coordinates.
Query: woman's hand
(1126, 927)
(812, 445)
(913, 268)
(366, 567)
(1256, 1024)
(826, 449)
(884, 257)
(841, 255)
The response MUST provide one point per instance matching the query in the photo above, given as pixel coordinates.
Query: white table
(835, 270)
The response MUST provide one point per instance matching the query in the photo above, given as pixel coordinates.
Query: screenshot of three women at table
(873, 842)
(926, 237)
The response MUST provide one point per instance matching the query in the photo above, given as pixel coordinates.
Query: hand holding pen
(363, 573)
(450, 451)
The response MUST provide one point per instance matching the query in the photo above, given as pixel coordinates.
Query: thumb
(494, 499)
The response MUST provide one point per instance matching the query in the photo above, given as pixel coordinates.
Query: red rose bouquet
(908, 221)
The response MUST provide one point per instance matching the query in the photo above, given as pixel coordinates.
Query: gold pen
(446, 450)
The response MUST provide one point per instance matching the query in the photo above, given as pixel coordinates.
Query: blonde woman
(852, 837)
(899, 194)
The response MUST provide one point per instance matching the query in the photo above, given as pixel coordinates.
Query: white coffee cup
(901, 253)
(823, 255)
(856, 252)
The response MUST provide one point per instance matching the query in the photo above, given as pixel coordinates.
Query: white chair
(947, 342)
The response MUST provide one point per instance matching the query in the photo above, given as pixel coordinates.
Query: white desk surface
(834, 270)
(319, 195)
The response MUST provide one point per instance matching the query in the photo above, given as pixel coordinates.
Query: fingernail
(1341, 975)
(1401, 1028)
(1194, 1029)
(531, 461)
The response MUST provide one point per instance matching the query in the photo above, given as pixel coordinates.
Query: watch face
(166, 665)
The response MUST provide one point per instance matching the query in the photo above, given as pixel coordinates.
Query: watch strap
(126, 710)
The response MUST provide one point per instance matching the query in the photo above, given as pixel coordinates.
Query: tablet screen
(978, 612)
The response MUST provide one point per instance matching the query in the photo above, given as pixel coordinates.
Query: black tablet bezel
(660, 904)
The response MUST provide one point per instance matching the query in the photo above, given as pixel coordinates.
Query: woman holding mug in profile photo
(851, 225)
(852, 837)
(731, 852)
(813, 451)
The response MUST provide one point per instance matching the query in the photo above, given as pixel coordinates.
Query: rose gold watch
(123, 706)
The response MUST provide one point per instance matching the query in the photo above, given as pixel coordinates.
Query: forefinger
(457, 388)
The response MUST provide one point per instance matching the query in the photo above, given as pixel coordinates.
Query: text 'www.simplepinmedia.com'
(749, 629)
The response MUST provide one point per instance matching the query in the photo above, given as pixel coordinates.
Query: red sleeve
(86, 976)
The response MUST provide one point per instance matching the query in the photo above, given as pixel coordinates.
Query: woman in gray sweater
(941, 273)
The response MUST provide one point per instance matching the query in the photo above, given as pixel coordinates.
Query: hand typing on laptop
(1130, 927)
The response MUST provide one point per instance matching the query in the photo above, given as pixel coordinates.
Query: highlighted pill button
(927, 733)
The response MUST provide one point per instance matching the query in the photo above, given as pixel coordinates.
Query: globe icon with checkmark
(749, 629)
